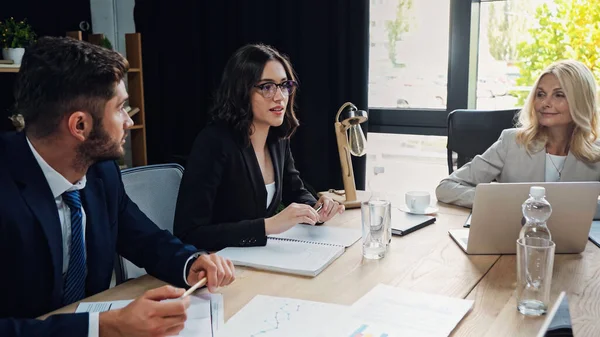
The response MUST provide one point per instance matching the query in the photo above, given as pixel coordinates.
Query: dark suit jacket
(222, 198)
(31, 242)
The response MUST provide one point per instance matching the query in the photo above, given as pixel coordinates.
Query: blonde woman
(556, 139)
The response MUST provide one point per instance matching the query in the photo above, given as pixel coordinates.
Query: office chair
(154, 188)
(471, 132)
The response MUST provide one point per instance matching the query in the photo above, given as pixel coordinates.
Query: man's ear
(80, 125)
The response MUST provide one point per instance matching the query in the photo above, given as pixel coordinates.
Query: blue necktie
(75, 278)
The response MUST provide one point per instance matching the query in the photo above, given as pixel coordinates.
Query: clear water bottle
(536, 211)
(532, 266)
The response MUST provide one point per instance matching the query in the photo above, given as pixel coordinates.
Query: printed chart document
(387, 311)
(204, 316)
(267, 316)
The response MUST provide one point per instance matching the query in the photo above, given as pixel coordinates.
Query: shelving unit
(135, 83)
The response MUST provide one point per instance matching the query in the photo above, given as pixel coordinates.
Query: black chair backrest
(471, 132)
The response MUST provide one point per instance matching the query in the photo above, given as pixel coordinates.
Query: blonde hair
(579, 86)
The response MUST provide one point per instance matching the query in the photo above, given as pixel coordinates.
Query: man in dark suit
(64, 212)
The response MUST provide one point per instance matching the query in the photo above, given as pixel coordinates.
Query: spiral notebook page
(285, 256)
(321, 234)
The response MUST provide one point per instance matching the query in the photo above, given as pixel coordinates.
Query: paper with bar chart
(392, 312)
(366, 331)
(267, 316)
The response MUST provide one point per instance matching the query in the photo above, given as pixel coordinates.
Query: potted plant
(14, 37)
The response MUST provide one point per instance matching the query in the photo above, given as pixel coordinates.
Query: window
(519, 38)
(483, 54)
(409, 61)
(503, 25)
(401, 155)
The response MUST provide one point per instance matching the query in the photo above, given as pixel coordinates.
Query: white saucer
(428, 210)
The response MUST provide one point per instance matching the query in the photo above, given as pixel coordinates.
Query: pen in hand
(319, 208)
(199, 284)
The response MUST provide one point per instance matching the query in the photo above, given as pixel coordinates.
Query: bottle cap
(537, 191)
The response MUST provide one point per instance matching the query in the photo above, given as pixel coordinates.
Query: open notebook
(303, 250)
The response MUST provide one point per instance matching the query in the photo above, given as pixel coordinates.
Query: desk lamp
(350, 141)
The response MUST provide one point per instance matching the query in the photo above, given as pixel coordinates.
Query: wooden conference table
(426, 261)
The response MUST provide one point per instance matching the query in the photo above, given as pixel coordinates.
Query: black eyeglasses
(269, 89)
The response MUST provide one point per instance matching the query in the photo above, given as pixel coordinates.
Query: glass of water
(376, 228)
(535, 260)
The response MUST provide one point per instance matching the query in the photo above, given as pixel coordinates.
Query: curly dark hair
(232, 102)
(59, 76)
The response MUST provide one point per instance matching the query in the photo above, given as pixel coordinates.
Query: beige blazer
(507, 162)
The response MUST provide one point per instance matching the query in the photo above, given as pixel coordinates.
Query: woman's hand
(330, 208)
(289, 217)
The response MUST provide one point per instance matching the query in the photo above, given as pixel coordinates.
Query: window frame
(461, 85)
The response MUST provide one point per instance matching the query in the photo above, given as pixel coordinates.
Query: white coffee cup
(417, 201)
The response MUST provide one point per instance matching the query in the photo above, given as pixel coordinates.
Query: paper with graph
(387, 311)
(267, 316)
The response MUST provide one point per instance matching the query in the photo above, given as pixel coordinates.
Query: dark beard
(98, 147)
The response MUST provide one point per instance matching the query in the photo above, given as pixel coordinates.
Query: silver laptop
(497, 217)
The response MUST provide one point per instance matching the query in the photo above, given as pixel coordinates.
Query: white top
(270, 192)
(554, 164)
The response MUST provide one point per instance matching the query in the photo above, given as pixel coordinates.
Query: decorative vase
(15, 54)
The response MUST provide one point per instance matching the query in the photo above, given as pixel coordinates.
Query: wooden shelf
(133, 111)
(9, 68)
(135, 88)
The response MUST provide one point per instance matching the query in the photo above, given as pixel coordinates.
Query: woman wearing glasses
(241, 168)
(557, 138)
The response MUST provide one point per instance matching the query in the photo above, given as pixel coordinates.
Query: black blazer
(222, 198)
(31, 242)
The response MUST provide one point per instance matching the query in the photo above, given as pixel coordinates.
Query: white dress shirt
(59, 185)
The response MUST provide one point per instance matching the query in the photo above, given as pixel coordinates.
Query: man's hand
(147, 316)
(218, 271)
